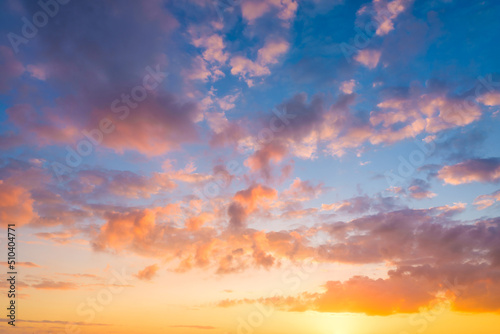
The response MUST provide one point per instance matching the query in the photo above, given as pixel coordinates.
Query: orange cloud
(260, 160)
(194, 223)
(53, 285)
(147, 273)
(24, 264)
(16, 204)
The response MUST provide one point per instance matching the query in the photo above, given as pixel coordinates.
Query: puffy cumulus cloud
(208, 65)
(16, 204)
(384, 232)
(401, 118)
(199, 70)
(227, 102)
(103, 45)
(247, 201)
(156, 233)
(300, 127)
(100, 183)
(303, 190)
(490, 99)
(295, 129)
(10, 67)
(58, 208)
(269, 54)
(213, 45)
(361, 294)
(485, 201)
(385, 13)
(408, 289)
(368, 57)
(260, 161)
(254, 9)
(134, 229)
(432, 260)
(196, 222)
(20, 186)
(347, 87)
(224, 132)
(103, 72)
(147, 273)
(42, 127)
(473, 170)
(404, 235)
(158, 125)
(187, 174)
(420, 189)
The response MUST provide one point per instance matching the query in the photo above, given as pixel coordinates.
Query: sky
(251, 166)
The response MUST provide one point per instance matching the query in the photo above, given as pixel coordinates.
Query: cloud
(121, 229)
(369, 58)
(196, 222)
(490, 99)
(473, 170)
(57, 237)
(431, 258)
(24, 264)
(10, 67)
(199, 70)
(16, 204)
(213, 45)
(251, 10)
(101, 183)
(485, 201)
(347, 87)
(158, 125)
(420, 189)
(246, 202)
(37, 71)
(49, 128)
(303, 190)
(385, 13)
(260, 161)
(267, 55)
(104, 69)
(415, 114)
(147, 273)
(54, 285)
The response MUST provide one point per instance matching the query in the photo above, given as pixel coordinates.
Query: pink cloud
(16, 204)
(10, 67)
(369, 58)
(485, 201)
(267, 55)
(474, 170)
(490, 99)
(148, 273)
(254, 9)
